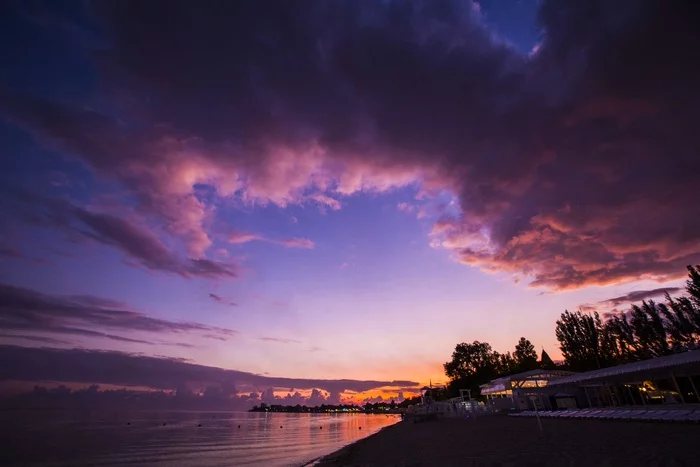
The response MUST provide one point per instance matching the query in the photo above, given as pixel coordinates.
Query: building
(672, 379)
(523, 391)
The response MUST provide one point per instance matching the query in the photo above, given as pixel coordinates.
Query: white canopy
(667, 361)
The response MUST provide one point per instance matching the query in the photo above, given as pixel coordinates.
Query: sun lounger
(673, 415)
(596, 414)
(588, 413)
(638, 414)
(579, 413)
(567, 413)
(692, 418)
(620, 414)
(593, 414)
(652, 415)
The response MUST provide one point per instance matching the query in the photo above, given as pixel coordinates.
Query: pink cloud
(406, 207)
(238, 237)
(297, 243)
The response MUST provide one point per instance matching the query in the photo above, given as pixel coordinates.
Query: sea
(178, 439)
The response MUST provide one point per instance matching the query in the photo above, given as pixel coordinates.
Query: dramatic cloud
(574, 166)
(639, 295)
(24, 311)
(101, 367)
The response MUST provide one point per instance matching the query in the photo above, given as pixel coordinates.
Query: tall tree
(649, 330)
(582, 340)
(471, 365)
(525, 355)
(471, 359)
(683, 314)
(622, 340)
(507, 364)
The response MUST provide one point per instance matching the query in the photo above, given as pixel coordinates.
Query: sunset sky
(306, 191)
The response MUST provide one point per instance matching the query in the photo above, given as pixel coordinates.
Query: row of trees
(588, 342)
(645, 331)
(378, 407)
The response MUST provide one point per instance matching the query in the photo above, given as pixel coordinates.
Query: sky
(330, 196)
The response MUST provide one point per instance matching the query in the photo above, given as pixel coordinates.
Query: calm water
(92, 438)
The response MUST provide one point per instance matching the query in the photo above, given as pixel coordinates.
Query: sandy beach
(502, 441)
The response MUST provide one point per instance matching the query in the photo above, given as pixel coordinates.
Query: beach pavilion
(671, 379)
(523, 391)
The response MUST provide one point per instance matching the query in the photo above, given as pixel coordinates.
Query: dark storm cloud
(101, 367)
(575, 166)
(28, 311)
(639, 295)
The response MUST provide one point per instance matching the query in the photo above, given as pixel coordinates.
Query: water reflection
(52, 438)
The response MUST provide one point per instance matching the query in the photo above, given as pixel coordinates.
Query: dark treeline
(645, 331)
(379, 407)
(589, 342)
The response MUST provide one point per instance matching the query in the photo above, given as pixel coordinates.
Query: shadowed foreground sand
(502, 441)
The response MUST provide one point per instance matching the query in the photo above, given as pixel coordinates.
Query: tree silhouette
(584, 341)
(646, 331)
(471, 365)
(525, 355)
(507, 363)
(587, 342)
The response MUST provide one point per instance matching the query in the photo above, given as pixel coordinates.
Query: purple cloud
(219, 299)
(104, 367)
(240, 238)
(574, 165)
(640, 295)
(136, 242)
(24, 311)
(297, 243)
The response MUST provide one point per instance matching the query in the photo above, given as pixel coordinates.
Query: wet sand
(505, 441)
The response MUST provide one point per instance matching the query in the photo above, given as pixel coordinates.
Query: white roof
(533, 374)
(667, 361)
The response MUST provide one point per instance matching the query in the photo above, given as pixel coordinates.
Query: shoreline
(506, 441)
(319, 461)
(345, 450)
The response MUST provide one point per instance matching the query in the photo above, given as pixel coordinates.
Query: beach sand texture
(500, 441)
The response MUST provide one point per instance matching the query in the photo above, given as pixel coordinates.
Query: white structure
(671, 379)
(457, 407)
(522, 391)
